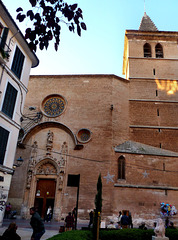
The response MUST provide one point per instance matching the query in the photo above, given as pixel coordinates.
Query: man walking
(37, 224)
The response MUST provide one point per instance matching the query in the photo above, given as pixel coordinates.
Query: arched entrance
(45, 195)
(44, 189)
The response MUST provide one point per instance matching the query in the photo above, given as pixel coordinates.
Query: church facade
(80, 126)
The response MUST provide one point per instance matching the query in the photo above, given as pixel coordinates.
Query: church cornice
(145, 186)
(152, 100)
(91, 76)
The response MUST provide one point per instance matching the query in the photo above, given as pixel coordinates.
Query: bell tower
(150, 62)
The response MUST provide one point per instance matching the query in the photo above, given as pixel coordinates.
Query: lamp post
(19, 162)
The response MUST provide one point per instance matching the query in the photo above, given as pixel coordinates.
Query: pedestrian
(130, 220)
(74, 214)
(37, 224)
(10, 233)
(111, 225)
(48, 214)
(125, 220)
(167, 222)
(7, 210)
(119, 219)
(171, 225)
(91, 219)
(142, 226)
(69, 222)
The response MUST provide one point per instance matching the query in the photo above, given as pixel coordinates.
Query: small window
(121, 167)
(9, 100)
(147, 50)
(4, 134)
(18, 61)
(159, 51)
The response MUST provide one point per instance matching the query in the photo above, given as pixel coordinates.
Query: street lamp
(19, 162)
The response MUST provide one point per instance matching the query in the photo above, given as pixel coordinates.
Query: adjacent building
(16, 60)
(124, 128)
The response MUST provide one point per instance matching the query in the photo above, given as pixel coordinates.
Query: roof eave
(20, 38)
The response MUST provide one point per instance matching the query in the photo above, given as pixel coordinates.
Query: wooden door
(45, 195)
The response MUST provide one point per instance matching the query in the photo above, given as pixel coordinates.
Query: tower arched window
(147, 50)
(121, 167)
(159, 51)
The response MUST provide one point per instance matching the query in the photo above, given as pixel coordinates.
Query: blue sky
(100, 49)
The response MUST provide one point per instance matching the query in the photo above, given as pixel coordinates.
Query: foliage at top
(46, 17)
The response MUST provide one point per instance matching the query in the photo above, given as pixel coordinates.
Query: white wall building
(16, 60)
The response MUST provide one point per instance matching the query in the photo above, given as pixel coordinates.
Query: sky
(100, 49)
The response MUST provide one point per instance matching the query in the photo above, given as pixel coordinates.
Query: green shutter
(18, 61)
(9, 100)
(4, 37)
(4, 134)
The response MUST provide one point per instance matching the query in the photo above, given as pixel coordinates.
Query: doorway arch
(45, 187)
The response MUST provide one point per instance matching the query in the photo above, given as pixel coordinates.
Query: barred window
(121, 167)
(4, 134)
(9, 101)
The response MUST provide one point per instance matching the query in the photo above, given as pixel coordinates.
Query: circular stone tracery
(53, 105)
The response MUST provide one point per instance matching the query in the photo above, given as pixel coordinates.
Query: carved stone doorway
(45, 195)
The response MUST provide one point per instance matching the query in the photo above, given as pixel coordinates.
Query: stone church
(78, 126)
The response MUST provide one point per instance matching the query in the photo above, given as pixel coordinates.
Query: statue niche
(32, 163)
(49, 144)
(63, 155)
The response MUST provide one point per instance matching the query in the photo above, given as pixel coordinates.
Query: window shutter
(4, 37)
(18, 61)
(4, 134)
(9, 100)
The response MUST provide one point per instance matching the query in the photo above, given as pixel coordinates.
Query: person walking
(37, 225)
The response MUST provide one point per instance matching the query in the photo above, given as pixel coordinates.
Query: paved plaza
(25, 233)
(24, 230)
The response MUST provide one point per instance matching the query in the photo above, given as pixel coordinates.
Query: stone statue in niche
(64, 148)
(34, 149)
(29, 178)
(61, 178)
(33, 154)
(63, 157)
(49, 144)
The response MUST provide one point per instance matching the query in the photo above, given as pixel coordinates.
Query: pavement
(24, 229)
